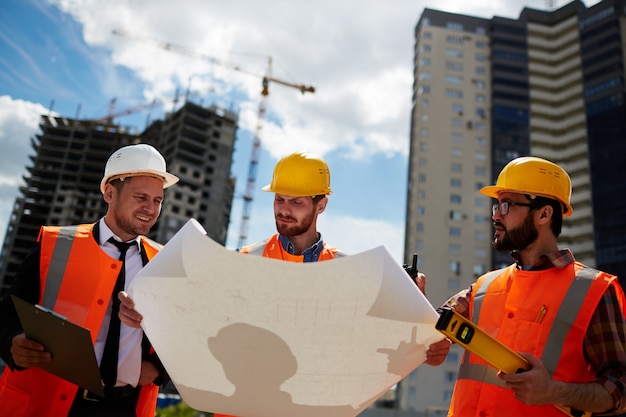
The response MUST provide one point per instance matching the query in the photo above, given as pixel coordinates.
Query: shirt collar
(106, 233)
(312, 251)
(559, 259)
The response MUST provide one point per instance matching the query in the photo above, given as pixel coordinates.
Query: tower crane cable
(256, 144)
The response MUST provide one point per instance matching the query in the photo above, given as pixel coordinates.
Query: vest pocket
(14, 402)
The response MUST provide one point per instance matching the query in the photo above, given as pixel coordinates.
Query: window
(456, 152)
(422, 162)
(420, 227)
(424, 76)
(481, 98)
(427, 35)
(453, 79)
(454, 53)
(481, 57)
(421, 178)
(455, 199)
(480, 253)
(454, 66)
(425, 62)
(421, 211)
(454, 93)
(456, 122)
(456, 183)
(480, 84)
(457, 108)
(454, 232)
(425, 103)
(456, 167)
(455, 267)
(456, 137)
(450, 376)
(479, 270)
(454, 249)
(458, 40)
(480, 236)
(480, 141)
(480, 219)
(480, 156)
(454, 26)
(426, 48)
(481, 44)
(456, 215)
(424, 132)
(480, 171)
(480, 202)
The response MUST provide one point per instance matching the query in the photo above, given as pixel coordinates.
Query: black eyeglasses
(503, 207)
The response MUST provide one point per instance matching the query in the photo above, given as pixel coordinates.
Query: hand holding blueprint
(257, 337)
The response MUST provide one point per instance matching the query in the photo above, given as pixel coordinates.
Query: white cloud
(354, 235)
(18, 123)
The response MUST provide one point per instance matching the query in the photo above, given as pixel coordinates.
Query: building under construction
(62, 185)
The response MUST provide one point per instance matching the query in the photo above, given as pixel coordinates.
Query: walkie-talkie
(412, 270)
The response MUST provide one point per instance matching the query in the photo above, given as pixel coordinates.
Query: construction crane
(266, 79)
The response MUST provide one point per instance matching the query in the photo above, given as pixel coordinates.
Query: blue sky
(358, 54)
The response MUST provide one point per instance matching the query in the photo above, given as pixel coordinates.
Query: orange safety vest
(544, 313)
(272, 248)
(77, 279)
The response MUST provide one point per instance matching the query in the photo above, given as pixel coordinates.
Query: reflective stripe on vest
(58, 263)
(565, 317)
(257, 248)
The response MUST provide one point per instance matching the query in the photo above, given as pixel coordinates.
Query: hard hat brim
(494, 191)
(168, 179)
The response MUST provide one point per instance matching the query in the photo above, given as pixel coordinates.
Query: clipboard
(471, 337)
(73, 356)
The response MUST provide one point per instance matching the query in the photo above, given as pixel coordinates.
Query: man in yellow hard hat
(77, 271)
(565, 318)
(301, 184)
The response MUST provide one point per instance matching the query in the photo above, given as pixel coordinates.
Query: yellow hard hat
(534, 176)
(300, 174)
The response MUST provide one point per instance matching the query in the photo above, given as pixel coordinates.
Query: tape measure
(467, 334)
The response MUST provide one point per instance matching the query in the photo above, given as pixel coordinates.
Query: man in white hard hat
(77, 271)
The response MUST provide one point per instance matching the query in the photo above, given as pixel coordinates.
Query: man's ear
(321, 205)
(108, 193)
(546, 212)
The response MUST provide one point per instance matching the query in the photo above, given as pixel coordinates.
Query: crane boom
(256, 144)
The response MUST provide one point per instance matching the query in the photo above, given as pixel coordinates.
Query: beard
(518, 238)
(298, 228)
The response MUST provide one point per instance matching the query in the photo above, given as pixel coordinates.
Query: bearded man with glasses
(564, 317)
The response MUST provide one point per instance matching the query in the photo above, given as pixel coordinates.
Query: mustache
(280, 216)
(498, 224)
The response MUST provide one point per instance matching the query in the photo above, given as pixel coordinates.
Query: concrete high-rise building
(548, 84)
(62, 187)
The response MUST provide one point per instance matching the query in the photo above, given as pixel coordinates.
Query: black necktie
(108, 365)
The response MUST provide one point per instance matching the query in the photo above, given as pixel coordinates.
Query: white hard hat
(134, 161)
